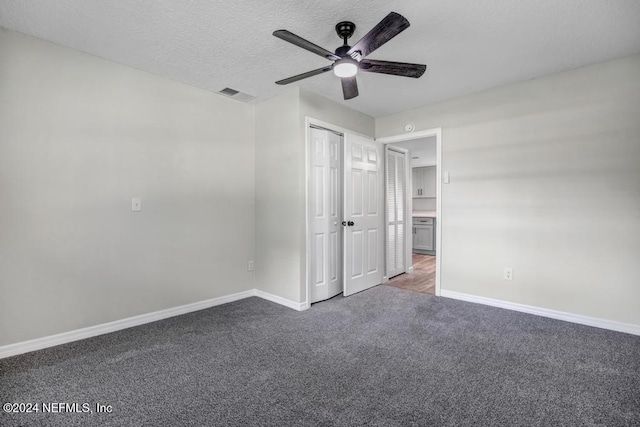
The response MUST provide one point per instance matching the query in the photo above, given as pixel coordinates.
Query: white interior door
(325, 209)
(396, 214)
(363, 219)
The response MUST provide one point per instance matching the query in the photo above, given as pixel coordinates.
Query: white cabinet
(424, 237)
(424, 234)
(423, 182)
(416, 182)
(429, 182)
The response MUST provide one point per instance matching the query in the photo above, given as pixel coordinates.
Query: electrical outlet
(250, 265)
(508, 273)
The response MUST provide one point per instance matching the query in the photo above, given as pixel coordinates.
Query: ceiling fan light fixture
(347, 60)
(345, 67)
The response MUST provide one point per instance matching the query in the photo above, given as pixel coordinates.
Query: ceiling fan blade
(305, 44)
(395, 68)
(349, 87)
(304, 75)
(392, 25)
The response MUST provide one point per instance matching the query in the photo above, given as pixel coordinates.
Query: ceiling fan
(347, 60)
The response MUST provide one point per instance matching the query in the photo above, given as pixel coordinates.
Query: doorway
(423, 204)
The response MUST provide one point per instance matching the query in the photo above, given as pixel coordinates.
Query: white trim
(307, 244)
(437, 132)
(299, 306)
(410, 136)
(545, 312)
(129, 322)
(330, 126)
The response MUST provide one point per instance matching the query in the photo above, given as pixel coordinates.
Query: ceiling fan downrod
(345, 30)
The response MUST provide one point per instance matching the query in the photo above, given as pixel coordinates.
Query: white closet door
(363, 214)
(396, 214)
(325, 230)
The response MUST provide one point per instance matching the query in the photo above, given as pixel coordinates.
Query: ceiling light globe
(345, 67)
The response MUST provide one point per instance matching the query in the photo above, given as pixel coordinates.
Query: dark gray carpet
(384, 357)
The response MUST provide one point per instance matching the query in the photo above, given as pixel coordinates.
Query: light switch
(446, 177)
(136, 204)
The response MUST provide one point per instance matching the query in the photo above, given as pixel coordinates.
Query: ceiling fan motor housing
(342, 51)
(345, 29)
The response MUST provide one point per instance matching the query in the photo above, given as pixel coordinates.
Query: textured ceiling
(468, 45)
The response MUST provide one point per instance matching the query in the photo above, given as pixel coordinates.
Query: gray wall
(278, 195)
(545, 178)
(281, 185)
(79, 136)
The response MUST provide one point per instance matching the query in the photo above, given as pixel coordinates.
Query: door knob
(344, 223)
(350, 223)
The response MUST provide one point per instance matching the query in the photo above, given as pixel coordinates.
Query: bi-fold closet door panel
(363, 213)
(396, 214)
(325, 206)
(346, 214)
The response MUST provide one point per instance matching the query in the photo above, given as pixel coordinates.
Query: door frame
(309, 121)
(437, 132)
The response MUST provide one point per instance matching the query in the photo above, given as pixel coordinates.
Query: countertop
(423, 214)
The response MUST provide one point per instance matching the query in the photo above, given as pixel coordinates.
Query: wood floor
(423, 277)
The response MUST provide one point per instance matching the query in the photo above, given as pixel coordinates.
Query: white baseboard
(545, 312)
(105, 328)
(299, 306)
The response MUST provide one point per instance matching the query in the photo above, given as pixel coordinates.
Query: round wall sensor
(409, 127)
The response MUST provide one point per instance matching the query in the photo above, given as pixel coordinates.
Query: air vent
(228, 91)
(236, 94)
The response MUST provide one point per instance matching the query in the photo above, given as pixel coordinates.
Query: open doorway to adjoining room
(423, 211)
